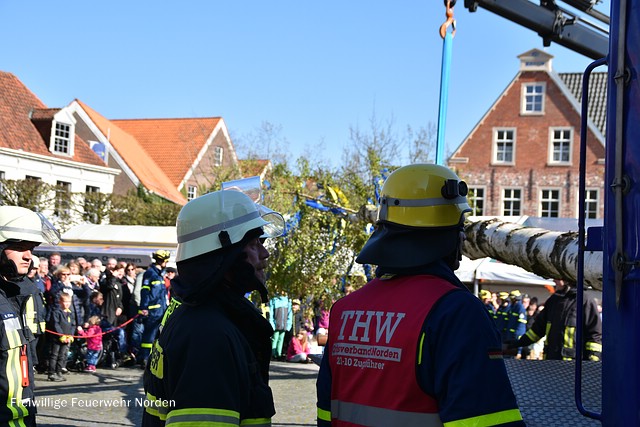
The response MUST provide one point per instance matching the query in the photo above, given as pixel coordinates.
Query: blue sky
(313, 69)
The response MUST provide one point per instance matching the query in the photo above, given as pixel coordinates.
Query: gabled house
(522, 157)
(42, 144)
(174, 159)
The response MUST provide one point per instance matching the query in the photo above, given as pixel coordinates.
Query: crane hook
(450, 22)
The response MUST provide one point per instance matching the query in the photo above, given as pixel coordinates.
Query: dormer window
(62, 138)
(63, 134)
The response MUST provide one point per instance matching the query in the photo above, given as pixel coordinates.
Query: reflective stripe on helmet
(218, 227)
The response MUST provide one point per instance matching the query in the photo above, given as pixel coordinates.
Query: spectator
(112, 291)
(63, 326)
(54, 260)
(93, 279)
(43, 272)
(93, 335)
(298, 350)
(281, 322)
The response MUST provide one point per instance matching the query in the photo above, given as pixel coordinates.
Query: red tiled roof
(19, 109)
(150, 174)
(174, 144)
(253, 167)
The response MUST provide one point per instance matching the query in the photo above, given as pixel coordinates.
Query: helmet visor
(49, 232)
(275, 222)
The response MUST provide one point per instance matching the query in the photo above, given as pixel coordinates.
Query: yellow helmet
(422, 208)
(485, 294)
(423, 195)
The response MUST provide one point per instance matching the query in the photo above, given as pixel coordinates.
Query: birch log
(546, 253)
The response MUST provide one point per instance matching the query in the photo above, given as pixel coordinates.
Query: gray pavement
(114, 397)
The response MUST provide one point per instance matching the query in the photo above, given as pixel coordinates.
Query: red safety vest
(375, 346)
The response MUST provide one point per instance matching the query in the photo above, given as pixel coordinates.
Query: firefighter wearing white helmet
(414, 346)
(211, 358)
(21, 230)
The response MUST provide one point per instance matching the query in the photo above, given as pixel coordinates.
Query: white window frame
(594, 202)
(62, 135)
(542, 199)
(497, 141)
(218, 155)
(473, 199)
(564, 140)
(192, 192)
(510, 199)
(527, 105)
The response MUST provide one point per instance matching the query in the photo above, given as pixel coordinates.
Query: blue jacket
(281, 318)
(517, 322)
(153, 294)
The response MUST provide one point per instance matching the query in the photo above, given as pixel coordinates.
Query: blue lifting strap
(444, 96)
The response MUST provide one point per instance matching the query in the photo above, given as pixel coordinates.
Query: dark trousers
(58, 353)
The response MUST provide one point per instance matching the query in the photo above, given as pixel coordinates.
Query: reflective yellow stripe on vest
(497, 418)
(203, 417)
(153, 307)
(13, 370)
(374, 416)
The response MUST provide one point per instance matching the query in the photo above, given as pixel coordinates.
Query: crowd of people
(89, 305)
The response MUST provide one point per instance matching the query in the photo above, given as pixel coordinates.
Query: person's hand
(79, 328)
(144, 312)
(86, 326)
(118, 311)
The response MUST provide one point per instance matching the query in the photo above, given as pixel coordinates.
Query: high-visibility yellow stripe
(151, 307)
(256, 422)
(593, 346)
(158, 410)
(569, 336)
(420, 348)
(497, 418)
(14, 376)
(532, 336)
(324, 415)
(203, 417)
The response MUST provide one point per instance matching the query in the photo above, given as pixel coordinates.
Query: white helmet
(220, 219)
(22, 224)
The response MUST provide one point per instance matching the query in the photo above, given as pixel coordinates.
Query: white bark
(546, 253)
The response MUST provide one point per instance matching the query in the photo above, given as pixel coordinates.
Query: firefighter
(153, 303)
(210, 363)
(517, 320)
(21, 230)
(558, 322)
(414, 346)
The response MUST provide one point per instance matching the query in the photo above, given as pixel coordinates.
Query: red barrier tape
(95, 335)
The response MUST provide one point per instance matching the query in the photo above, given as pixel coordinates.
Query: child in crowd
(298, 350)
(93, 336)
(63, 323)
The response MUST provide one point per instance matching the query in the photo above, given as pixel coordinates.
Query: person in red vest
(414, 346)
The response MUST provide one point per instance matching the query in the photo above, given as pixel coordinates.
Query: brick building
(522, 157)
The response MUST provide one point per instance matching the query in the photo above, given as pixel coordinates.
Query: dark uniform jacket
(16, 386)
(210, 365)
(153, 293)
(558, 322)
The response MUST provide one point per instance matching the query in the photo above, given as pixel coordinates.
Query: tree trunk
(546, 253)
